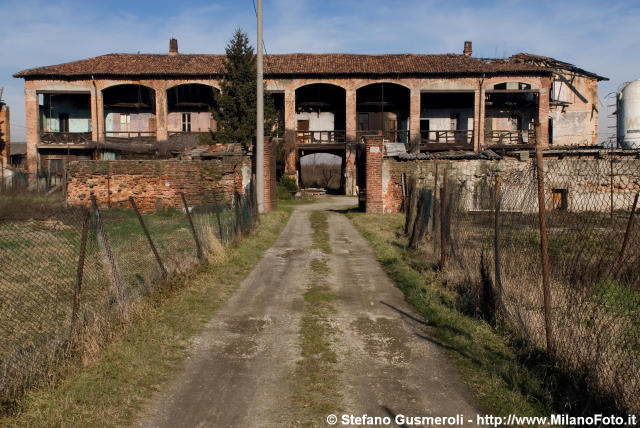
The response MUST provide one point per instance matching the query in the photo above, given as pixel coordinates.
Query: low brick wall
(155, 182)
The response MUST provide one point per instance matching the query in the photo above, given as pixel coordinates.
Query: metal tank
(629, 115)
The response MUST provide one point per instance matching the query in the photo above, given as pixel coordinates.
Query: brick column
(5, 129)
(97, 115)
(373, 147)
(476, 120)
(267, 176)
(290, 132)
(351, 116)
(543, 116)
(33, 129)
(350, 171)
(161, 113)
(481, 118)
(414, 117)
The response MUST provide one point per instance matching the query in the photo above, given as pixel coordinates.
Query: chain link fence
(490, 236)
(69, 274)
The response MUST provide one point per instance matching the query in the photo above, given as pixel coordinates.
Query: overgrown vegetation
(287, 187)
(488, 364)
(316, 377)
(109, 390)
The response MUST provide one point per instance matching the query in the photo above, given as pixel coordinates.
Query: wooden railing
(394, 136)
(509, 138)
(447, 137)
(321, 137)
(65, 137)
(130, 134)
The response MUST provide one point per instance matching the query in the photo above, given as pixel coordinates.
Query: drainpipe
(480, 134)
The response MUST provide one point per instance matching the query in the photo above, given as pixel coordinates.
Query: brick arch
(189, 82)
(319, 82)
(126, 83)
(496, 81)
(376, 82)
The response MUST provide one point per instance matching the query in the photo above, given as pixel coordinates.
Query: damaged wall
(155, 182)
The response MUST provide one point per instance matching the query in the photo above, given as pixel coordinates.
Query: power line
(255, 10)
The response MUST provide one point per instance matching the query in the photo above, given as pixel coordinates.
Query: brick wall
(150, 181)
(5, 137)
(374, 201)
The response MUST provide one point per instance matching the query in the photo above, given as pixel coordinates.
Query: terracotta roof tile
(282, 64)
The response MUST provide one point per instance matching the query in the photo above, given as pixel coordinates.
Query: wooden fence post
(148, 235)
(218, 201)
(496, 235)
(193, 229)
(627, 231)
(544, 252)
(79, 273)
(443, 217)
(107, 247)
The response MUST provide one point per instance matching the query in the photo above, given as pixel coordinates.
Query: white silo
(629, 115)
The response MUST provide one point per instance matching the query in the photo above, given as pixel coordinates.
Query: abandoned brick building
(96, 107)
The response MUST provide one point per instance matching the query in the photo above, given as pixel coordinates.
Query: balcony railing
(509, 138)
(393, 136)
(65, 137)
(130, 134)
(321, 137)
(447, 137)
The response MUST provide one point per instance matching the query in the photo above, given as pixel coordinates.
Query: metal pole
(148, 235)
(107, 248)
(627, 232)
(260, 116)
(496, 236)
(443, 218)
(544, 252)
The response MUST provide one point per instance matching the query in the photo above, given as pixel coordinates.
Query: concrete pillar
(351, 117)
(161, 112)
(543, 116)
(414, 118)
(374, 198)
(32, 119)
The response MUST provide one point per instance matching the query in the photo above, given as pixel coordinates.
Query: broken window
(560, 199)
(63, 119)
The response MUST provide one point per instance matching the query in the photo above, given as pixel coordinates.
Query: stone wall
(155, 183)
(586, 181)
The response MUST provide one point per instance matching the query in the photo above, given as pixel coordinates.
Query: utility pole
(260, 117)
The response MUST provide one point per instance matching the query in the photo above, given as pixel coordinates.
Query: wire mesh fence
(68, 274)
(487, 235)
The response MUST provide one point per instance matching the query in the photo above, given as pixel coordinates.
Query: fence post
(544, 251)
(193, 229)
(79, 273)
(496, 235)
(627, 232)
(148, 235)
(218, 201)
(105, 240)
(443, 215)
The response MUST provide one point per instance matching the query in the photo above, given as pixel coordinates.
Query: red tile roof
(286, 64)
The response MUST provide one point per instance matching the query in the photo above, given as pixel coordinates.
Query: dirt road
(244, 371)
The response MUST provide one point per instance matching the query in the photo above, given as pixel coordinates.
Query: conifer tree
(235, 112)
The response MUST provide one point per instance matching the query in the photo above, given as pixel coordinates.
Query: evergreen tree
(235, 111)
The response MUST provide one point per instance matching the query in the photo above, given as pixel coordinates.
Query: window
(64, 122)
(186, 122)
(424, 129)
(125, 122)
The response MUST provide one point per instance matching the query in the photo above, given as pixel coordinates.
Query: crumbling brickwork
(374, 201)
(154, 182)
(5, 134)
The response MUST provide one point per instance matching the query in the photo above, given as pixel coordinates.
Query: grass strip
(486, 362)
(111, 390)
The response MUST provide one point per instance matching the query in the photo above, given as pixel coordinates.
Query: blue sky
(595, 35)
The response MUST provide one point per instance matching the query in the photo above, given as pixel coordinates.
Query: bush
(287, 187)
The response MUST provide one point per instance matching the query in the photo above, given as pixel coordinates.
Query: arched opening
(320, 114)
(446, 120)
(384, 107)
(189, 109)
(511, 113)
(129, 111)
(322, 170)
